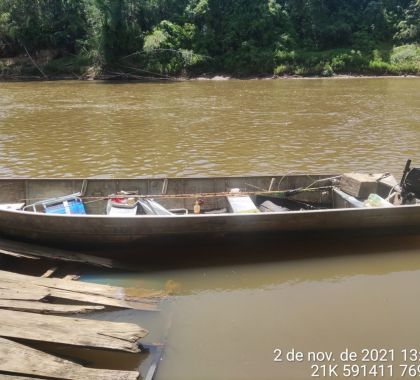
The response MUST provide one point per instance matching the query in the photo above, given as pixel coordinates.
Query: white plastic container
(374, 200)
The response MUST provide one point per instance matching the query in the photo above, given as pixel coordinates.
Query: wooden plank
(59, 283)
(57, 254)
(83, 291)
(12, 292)
(19, 359)
(101, 300)
(46, 308)
(14, 377)
(49, 272)
(71, 331)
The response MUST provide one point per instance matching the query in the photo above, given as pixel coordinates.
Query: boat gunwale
(105, 178)
(189, 216)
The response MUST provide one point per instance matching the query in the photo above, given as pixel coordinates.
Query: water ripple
(201, 128)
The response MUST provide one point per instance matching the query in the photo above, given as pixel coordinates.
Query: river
(233, 305)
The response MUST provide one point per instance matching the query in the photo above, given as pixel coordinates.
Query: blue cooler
(70, 207)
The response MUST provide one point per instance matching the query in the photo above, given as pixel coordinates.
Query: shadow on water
(247, 250)
(195, 253)
(249, 265)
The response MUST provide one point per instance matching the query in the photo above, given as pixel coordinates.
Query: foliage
(239, 37)
(405, 54)
(409, 26)
(41, 24)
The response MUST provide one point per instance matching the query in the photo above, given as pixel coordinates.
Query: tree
(42, 24)
(409, 26)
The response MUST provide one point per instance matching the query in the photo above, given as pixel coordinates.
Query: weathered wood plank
(46, 308)
(49, 272)
(10, 291)
(71, 331)
(101, 300)
(19, 359)
(25, 249)
(83, 291)
(59, 283)
(15, 377)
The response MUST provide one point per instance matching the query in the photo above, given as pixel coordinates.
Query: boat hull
(97, 229)
(69, 230)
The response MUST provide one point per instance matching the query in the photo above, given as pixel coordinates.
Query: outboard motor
(410, 184)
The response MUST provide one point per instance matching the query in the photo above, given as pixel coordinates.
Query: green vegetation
(141, 38)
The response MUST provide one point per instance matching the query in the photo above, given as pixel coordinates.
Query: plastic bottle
(197, 208)
(374, 200)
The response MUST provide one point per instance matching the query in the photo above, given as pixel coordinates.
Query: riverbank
(385, 62)
(215, 78)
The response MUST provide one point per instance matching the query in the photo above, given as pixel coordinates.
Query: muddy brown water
(233, 305)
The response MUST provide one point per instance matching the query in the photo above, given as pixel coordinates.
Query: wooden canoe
(96, 228)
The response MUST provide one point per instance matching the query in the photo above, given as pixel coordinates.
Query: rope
(196, 195)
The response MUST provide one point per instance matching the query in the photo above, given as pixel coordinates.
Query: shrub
(327, 71)
(405, 54)
(282, 70)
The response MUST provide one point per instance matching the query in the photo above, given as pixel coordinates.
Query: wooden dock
(20, 359)
(71, 331)
(38, 288)
(24, 301)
